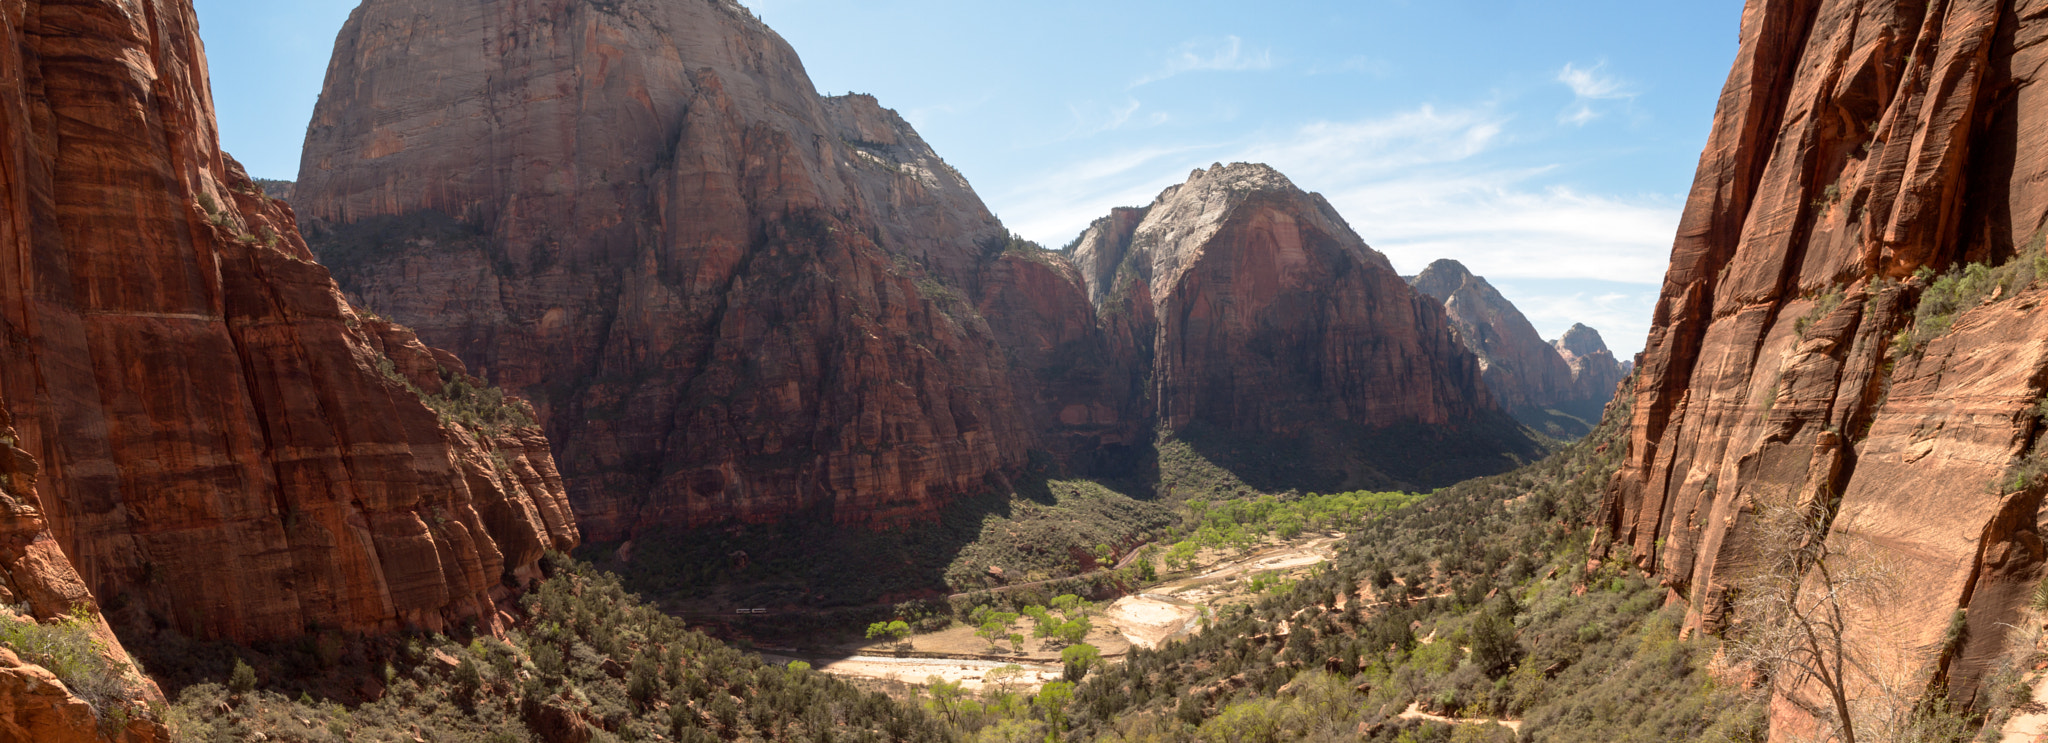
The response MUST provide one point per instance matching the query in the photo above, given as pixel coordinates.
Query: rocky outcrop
(729, 297)
(227, 448)
(1858, 149)
(1080, 379)
(1595, 373)
(38, 581)
(1526, 375)
(1266, 313)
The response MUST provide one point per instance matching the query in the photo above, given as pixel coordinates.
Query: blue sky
(1547, 144)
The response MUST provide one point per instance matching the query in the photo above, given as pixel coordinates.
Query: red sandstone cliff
(226, 447)
(37, 580)
(1857, 144)
(728, 296)
(1525, 373)
(1263, 312)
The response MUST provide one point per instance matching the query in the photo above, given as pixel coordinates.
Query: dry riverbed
(1159, 614)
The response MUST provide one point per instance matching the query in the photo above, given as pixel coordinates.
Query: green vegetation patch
(1243, 524)
(590, 663)
(462, 401)
(1473, 603)
(1952, 293)
(1061, 528)
(69, 648)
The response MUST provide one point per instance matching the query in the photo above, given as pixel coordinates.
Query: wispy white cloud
(1091, 119)
(1420, 184)
(1360, 65)
(1056, 206)
(1590, 86)
(1229, 54)
(923, 116)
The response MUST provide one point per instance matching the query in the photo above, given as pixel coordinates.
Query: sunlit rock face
(1575, 375)
(1265, 312)
(1855, 146)
(225, 447)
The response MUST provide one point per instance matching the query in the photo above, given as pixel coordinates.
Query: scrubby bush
(591, 657)
(69, 648)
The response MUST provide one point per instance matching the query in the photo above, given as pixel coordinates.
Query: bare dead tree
(1794, 612)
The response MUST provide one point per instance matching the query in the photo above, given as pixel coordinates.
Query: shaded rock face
(1266, 313)
(1856, 144)
(224, 444)
(1524, 373)
(1595, 373)
(728, 296)
(37, 579)
(1079, 380)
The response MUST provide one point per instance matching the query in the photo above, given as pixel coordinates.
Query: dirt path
(1415, 713)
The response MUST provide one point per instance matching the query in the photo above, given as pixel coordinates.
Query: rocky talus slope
(1805, 354)
(732, 298)
(226, 448)
(1528, 375)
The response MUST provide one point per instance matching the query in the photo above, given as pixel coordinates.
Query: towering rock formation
(37, 580)
(728, 296)
(1260, 311)
(1859, 148)
(1595, 373)
(1529, 376)
(225, 446)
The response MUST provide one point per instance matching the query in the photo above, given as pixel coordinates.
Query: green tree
(243, 679)
(897, 631)
(995, 627)
(1181, 555)
(1075, 631)
(946, 698)
(1044, 625)
(1494, 649)
(1079, 659)
(1052, 706)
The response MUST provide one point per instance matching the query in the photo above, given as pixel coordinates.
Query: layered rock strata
(1859, 149)
(728, 296)
(1527, 375)
(1264, 312)
(226, 447)
(38, 584)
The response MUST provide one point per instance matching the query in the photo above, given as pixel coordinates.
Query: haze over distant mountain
(1552, 389)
